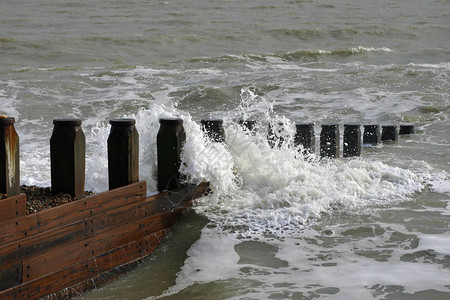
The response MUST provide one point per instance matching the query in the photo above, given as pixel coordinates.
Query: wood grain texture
(96, 244)
(78, 232)
(68, 213)
(86, 269)
(72, 244)
(12, 208)
(10, 276)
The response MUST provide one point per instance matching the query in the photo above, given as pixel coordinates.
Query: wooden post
(389, 133)
(248, 125)
(329, 141)
(170, 140)
(275, 135)
(352, 140)
(372, 134)
(214, 129)
(9, 158)
(67, 157)
(406, 129)
(305, 136)
(123, 153)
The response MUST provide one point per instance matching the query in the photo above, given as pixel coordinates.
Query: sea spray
(202, 160)
(253, 185)
(147, 125)
(266, 189)
(283, 191)
(259, 187)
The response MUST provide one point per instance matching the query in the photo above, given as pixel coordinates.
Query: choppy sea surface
(277, 225)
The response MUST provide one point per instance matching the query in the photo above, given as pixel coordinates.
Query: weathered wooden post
(9, 158)
(389, 133)
(305, 136)
(248, 125)
(123, 153)
(214, 129)
(275, 135)
(67, 157)
(406, 129)
(329, 141)
(170, 140)
(372, 134)
(352, 140)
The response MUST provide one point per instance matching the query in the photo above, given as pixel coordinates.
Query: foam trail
(312, 263)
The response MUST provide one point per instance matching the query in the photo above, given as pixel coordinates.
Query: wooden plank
(40, 243)
(63, 257)
(32, 224)
(99, 280)
(83, 270)
(71, 212)
(71, 234)
(78, 233)
(12, 208)
(10, 276)
(107, 218)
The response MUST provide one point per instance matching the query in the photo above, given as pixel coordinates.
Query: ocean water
(278, 225)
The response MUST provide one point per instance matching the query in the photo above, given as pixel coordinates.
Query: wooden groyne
(65, 250)
(329, 139)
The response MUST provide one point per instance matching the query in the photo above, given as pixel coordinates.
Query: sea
(278, 224)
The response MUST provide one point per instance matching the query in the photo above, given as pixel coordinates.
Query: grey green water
(277, 226)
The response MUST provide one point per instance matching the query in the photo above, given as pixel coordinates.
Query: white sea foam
(300, 68)
(442, 65)
(360, 49)
(7, 108)
(7, 102)
(441, 186)
(439, 243)
(337, 266)
(202, 259)
(280, 192)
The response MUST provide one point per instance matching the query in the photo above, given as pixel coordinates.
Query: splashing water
(271, 189)
(254, 185)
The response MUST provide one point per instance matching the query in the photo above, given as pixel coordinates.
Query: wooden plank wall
(73, 244)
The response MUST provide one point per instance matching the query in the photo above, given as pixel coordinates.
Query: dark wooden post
(305, 136)
(214, 129)
(389, 133)
(372, 134)
(329, 141)
(275, 135)
(123, 153)
(406, 129)
(352, 140)
(9, 158)
(248, 125)
(271, 137)
(170, 140)
(67, 157)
